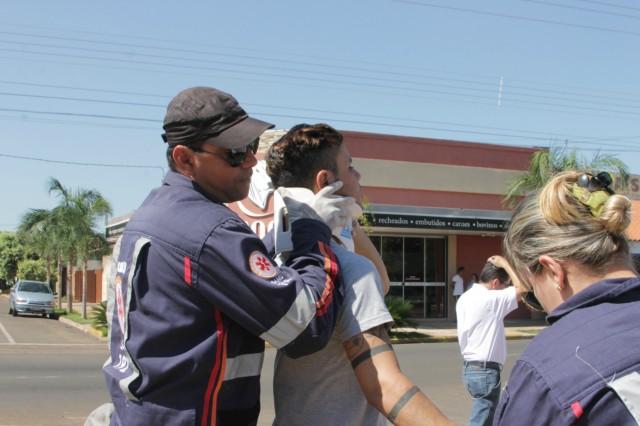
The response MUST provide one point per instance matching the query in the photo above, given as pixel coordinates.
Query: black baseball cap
(200, 113)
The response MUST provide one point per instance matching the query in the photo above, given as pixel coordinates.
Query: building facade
(432, 206)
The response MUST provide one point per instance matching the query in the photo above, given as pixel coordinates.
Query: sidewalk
(434, 330)
(444, 330)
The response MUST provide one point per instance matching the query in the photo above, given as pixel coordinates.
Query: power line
(316, 65)
(512, 102)
(410, 84)
(66, 98)
(413, 90)
(611, 5)
(392, 75)
(583, 9)
(516, 17)
(77, 114)
(337, 119)
(73, 163)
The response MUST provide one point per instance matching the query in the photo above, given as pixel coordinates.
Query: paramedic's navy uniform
(192, 295)
(563, 377)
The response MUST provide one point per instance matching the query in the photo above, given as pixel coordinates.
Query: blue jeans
(483, 383)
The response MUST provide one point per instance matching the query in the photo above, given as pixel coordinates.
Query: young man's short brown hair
(295, 159)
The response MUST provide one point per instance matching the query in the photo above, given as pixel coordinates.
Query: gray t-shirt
(321, 388)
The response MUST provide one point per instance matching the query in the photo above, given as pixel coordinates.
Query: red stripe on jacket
(577, 409)
(331, 268)
(187, 270)
(217, 375)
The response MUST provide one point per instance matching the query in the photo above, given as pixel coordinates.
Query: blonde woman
(566, 247)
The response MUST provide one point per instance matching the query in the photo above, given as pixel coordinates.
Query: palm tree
(546, 163)
(35, 231)
(92, 244)
(76, 218)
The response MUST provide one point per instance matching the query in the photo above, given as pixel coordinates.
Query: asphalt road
(50, 373)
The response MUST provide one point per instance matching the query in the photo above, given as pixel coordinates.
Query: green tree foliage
(99, 315)
(400, 311)
(67, 234)
(546, 163)
(11, 252)
(37, 231)
(364, 219)
(76, 217)
(29, 269)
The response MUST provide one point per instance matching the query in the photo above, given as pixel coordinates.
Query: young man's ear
(323, 178)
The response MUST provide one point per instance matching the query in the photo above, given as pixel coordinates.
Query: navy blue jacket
(193, 295)
(561, 377)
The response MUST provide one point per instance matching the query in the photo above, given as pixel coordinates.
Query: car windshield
(34, 287)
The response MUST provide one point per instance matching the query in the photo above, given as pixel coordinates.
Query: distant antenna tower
(500, 92)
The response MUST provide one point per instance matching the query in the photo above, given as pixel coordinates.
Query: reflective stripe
(126, 361)
(628, 389)
(248, 365)
(293, 322)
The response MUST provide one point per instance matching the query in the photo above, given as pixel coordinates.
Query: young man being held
(322, 389)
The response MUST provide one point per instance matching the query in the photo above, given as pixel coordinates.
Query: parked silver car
(31, 297)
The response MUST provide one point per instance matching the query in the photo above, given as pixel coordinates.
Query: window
(416, 268)
(392, 256)
(414, 260)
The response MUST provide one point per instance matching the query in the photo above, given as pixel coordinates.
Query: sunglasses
(531, 301)
(602, 180)
(235, 157)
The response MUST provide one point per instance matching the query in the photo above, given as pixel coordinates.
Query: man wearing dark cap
(193, 294)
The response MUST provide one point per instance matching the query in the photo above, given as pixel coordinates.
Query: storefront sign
(432, 222)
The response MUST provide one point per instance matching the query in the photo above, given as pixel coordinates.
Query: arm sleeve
(506, 301)
(364, 305)
(291, 305)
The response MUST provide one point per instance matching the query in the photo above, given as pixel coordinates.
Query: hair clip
(593, 191)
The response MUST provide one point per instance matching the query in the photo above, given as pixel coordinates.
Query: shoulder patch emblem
(262, 266)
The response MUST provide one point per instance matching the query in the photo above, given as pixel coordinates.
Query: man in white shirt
(457, 283)
(481, 311)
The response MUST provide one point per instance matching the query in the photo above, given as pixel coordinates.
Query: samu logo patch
(262, 266)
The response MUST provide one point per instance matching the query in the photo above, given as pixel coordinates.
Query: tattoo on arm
(368, 354)
(356, 341)
(381, 332)
(401, 403)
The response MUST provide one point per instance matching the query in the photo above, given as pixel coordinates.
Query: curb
(87, 328)
(396, 341)
(454, 338)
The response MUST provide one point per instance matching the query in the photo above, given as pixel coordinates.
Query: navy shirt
(193, 295)
(561, 377)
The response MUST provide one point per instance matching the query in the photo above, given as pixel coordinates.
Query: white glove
(334, 210)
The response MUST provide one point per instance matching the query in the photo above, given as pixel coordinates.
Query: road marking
(96, 345)
(6, 333)
(32, 377)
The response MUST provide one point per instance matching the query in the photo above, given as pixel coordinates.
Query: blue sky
(84, 84)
